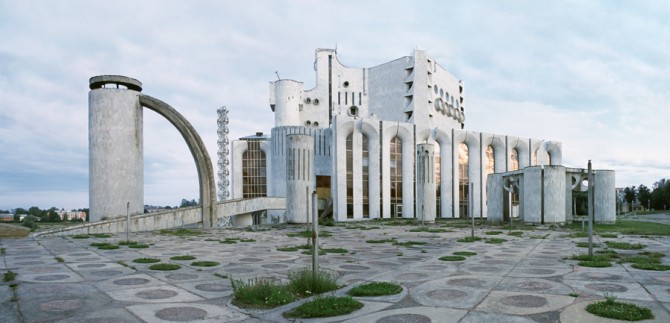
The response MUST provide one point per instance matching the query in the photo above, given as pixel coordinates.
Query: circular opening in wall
(462, 125)
(316, 101)
(446, 96)
(439, 105)
(316, 123)
(345, 84)
(353, 111)
(435, 88)
(441, 92)
(308, 100)
(307, 123)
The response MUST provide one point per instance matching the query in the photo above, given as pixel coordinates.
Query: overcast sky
(594, 75)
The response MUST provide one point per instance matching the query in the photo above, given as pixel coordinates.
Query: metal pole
(315, 238)
(127, 221)
(590, 201)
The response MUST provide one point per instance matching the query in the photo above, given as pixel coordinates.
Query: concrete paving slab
(516, 303)
(154, 294)
(185, 312)
(533, 285)
(413, 314)
(478, 317)
(621, 290)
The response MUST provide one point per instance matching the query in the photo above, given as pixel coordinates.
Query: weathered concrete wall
(554, 194)
(425, 184)
(532, 206)
(299, 177)
(495, 197)
(138, 223)
(604, 197)
(116, 166)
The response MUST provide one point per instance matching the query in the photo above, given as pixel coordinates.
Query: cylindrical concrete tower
(116, 166)
(425, 182)
(604, 196)
(299, 177)
(288, 99)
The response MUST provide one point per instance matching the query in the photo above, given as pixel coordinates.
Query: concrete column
(299, 177)
(288, 101)
(554, 194)
(495, 195)
(532, 195)
(605, 196)
(116, 166)
(407, 177)
(425, 183)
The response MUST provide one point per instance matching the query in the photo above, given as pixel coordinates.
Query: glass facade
(438, 180)
(350, 176)
(396, 177)
(366, 177)
(254, 178)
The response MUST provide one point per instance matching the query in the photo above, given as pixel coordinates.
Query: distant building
(70, 215)
(6, 217)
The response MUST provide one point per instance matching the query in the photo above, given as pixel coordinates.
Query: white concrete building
(386, 141)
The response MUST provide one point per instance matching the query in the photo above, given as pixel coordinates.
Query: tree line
(657, 198)
(46, 215)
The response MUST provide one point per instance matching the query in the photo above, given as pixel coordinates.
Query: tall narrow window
(396, 177)
(463, 181)
(350, 177)
(490, 160)
(438, 180)
(535, 158)
(365, 165)
(254, 179)
(514, 160)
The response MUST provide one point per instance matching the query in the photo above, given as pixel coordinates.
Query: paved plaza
(524, 279)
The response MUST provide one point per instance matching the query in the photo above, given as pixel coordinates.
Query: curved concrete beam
(202, 161)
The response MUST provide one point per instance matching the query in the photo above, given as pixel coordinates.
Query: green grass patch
(325, 307)
(9, 276)
(184, 257)
(304, 283)
(583, 244)
(469, 239)
(181, 232)
(228, 241)
(625, 245)
(409, 243)
(310, 252)
(464, 253)
(427, 229)
(261, 293)
(164, 267)
(611, 308)
(595, 264)
(653, 254)
(631, 227)
(127, 243)
(640, 260)
(146, 260)
(205, 263)
(380, 241)
(334, 250)
(608, 235)
(597, 257)
(59, 259)
(100, 244)
(376, 289)
(81, 236)
(492, 233)
(308, 234)
(515, 233)
(102, 235)
(287, 248)
(139, 246)
(452, 258)
(108, 247)
(579, 235)
(647, 266)
(495, 240)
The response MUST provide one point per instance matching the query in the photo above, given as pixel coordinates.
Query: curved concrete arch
(522, 149)
(343, 128)
(555, 152)
(444, 140)
(369, 130)
(498, 154)
(195, 144)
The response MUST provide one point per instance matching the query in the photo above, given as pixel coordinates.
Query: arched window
(396, 177)
(350, 176)
(549, 158)
(463, 180)
(254, 179)
(490, 160)
(514, 160)
(535, 158)
(438, 180)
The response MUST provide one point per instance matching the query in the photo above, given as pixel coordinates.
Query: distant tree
(187, 203)
(629, 195)
(660, 195)
(35, 211)
(19, 210)
(4, 212)
(644, 195)
(17, 218)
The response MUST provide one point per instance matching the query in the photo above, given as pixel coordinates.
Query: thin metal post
(590, 202)
(127, 221)
(315, 237)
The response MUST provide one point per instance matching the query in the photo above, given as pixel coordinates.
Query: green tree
(644, 195)
(19, 210)
(34, 210)
(660, 195)
(629, 194)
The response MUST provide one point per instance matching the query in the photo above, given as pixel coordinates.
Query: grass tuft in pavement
(452, 258)
(464, 253)
(376, 289)
(205, 263)
(146, 260)
(656, 267)
(611, 308)
(469, 239)
(164, 267)
(625, 245)
(184, 257)
(325, 307)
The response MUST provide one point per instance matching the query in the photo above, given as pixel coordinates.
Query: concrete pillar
(116, 166)
(288, 102)
(299, 177)
(554, 194)
(604, 196)
(425, 183)
(532, 195)
(495, 197)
